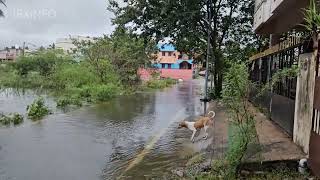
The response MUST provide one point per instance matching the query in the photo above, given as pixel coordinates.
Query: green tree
(42, 61)
(122, 52)
(1, 12)
(186, 23)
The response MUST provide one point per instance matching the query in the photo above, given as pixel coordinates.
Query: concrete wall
(278, 16)
(304, 101)
(185, 74)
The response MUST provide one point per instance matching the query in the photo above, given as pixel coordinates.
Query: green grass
(196, 159)
(277, 175)
(160, 84)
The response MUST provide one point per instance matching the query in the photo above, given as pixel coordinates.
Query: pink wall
(185, 74)
(145, 75)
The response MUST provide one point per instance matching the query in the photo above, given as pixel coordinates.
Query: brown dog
(201, 122)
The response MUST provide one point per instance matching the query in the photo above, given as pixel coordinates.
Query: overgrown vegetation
(312, 17)
(241, 123)
(37, 109)
(281, 75)
(11, 119)
(160, 83)
(277, 174)
(104, 68)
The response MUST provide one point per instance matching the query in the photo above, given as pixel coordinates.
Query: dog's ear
(181, 125)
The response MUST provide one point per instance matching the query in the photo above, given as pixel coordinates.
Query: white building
(278, 16)
(66, 44)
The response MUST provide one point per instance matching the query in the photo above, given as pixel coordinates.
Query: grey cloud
(41, 22)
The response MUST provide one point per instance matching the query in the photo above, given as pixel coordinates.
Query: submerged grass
(160, 83)
(11, 119)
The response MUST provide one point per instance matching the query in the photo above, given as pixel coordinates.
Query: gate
(314, 149)
(280, 100)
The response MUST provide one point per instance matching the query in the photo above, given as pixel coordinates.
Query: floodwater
(130, 137)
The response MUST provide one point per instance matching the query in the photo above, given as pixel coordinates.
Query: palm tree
(1, 12)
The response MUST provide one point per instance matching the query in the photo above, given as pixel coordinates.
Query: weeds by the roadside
(276, 174)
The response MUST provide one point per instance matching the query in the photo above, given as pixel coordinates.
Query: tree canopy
(1, 12)
(186, 23)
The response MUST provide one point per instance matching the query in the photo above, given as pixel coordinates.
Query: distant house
(171, 64)
(10, 54)
(169, 58)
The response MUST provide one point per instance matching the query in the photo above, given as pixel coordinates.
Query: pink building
(173, 64)
(10, 54)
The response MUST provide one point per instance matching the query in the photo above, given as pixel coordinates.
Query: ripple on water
(100, 141)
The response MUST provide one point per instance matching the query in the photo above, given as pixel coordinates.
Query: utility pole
(206, 100)
(23, 48)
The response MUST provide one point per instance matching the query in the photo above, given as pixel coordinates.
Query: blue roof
(188, 61)
(166, 47)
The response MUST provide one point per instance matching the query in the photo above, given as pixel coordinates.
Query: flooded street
(134, 137)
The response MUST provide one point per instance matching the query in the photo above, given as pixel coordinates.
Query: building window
(163, 53)
(163, 65)
(169, 66)
(170, 54)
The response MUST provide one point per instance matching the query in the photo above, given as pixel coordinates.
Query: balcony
(278, 16)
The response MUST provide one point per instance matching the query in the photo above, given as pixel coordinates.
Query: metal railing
(265, 64)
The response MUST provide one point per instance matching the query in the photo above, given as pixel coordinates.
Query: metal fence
(315, 132)
(279, 100)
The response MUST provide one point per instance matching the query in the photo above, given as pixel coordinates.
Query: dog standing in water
(201, 122)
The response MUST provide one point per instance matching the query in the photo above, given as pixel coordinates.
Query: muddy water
(132, 137)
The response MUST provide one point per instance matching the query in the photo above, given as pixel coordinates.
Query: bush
(160, 84)
(242, 125)
(37, 109)
(73, 76)
(65, 101)
(104, 92)
(14, 119)
(4, 120)
(43, 61)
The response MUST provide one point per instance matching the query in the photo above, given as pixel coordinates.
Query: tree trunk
(218, 74)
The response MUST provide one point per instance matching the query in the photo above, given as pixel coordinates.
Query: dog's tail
(213, 114)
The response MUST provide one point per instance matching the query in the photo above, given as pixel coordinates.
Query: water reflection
(98, 141)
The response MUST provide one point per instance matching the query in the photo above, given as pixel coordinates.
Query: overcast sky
(41, 22)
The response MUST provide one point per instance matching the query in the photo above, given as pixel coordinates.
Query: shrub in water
(37, 109)
(160, 84)
(14, 119)
(105, 92)
(65, 101)
(4, 120)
